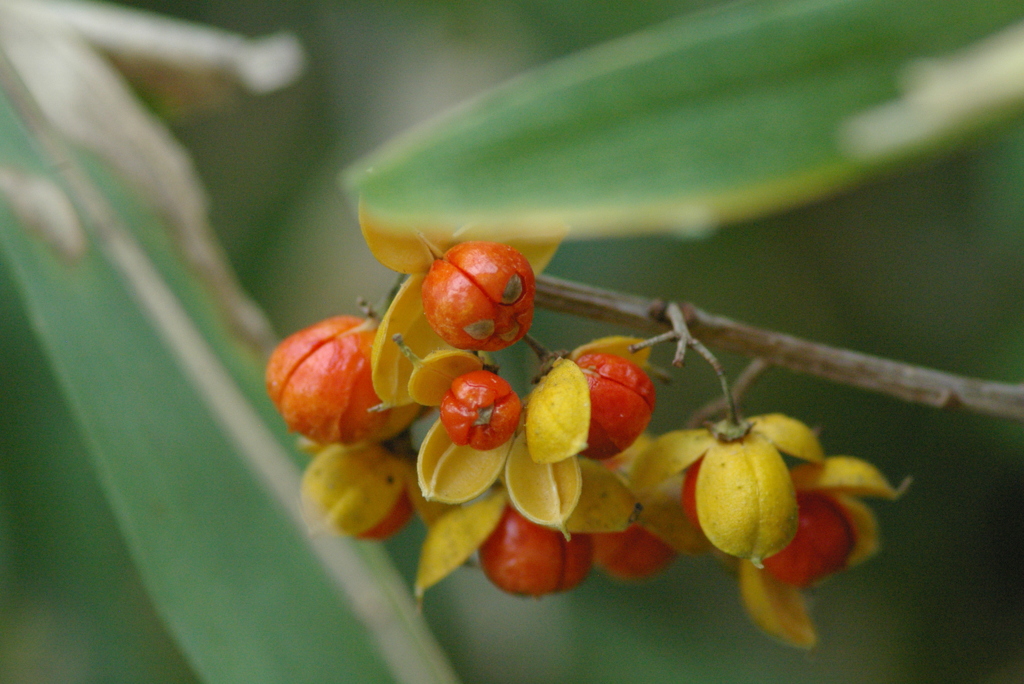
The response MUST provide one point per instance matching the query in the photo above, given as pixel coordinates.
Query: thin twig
(684, 340)
(539, 350)
(744, 381)
(901, 380)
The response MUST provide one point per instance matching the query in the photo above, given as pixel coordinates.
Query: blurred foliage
(708, 119)
(924, 266)
(73, 607)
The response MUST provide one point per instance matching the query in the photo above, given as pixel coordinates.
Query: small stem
(681, 333)
(409, 353)
(365, 307)
(678, 321)
(659, 374)
(678, 334)
(731, 414)
(669, 336)
(545, 357)
(901, 380)
(542, 353)
(744, 381)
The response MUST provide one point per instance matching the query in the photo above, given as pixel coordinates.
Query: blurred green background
(925, 266)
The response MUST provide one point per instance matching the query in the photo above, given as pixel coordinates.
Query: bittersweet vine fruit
(744, 498)
(605, 503)
(361, 491)
(481, 410)
(822, 545)
(320, 380)
(619, 345)
(400, 514)
(453, 473)
(836, 531)
(631, 554)
(433, 375)
(521, 557)
(621, 402)
(480, 296)
(454, 536)
(558, 414)
(545, 493)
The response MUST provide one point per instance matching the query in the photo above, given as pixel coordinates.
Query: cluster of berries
(544, 487)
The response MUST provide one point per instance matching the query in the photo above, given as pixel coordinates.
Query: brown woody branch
(901, 380)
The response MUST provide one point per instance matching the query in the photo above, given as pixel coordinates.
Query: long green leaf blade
(175, 416)
(710, 118)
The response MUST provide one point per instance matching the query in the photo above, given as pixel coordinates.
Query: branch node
(656, 310)
(689, 312)
(948, 399)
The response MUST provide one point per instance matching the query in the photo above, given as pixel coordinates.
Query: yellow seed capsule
(398, 247)
(669, 455)
(450, 473)
(777, 608)
(865, 538)
(399, 418)
(605, 505)
(789, 436)
(429, 511)
(391, 368)
(453, 538)
(350, 490)
(403, 248)
(746, 503)
(663, 516)
(537, 242)
(617, 345)
(433, 375)
(844, 475)
(558, 414)
(545, 493)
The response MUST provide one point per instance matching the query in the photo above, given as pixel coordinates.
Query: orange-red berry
(480, 296)
(621, 403)
(397, 517)
(631, 554)
(822, 545)
(521, 557)
(480, 410)
(689, 492)
(319, 379)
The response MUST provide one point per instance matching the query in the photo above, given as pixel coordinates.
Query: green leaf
(710, 118)
(79, 604)
(170, 403)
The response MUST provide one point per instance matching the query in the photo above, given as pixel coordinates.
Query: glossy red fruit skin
(621, 402)
(320, 380)
(631, 554)
(689, 492)
(521, 557)
(400, 514)
(468, 396)
(824, 540)
(470, 288)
